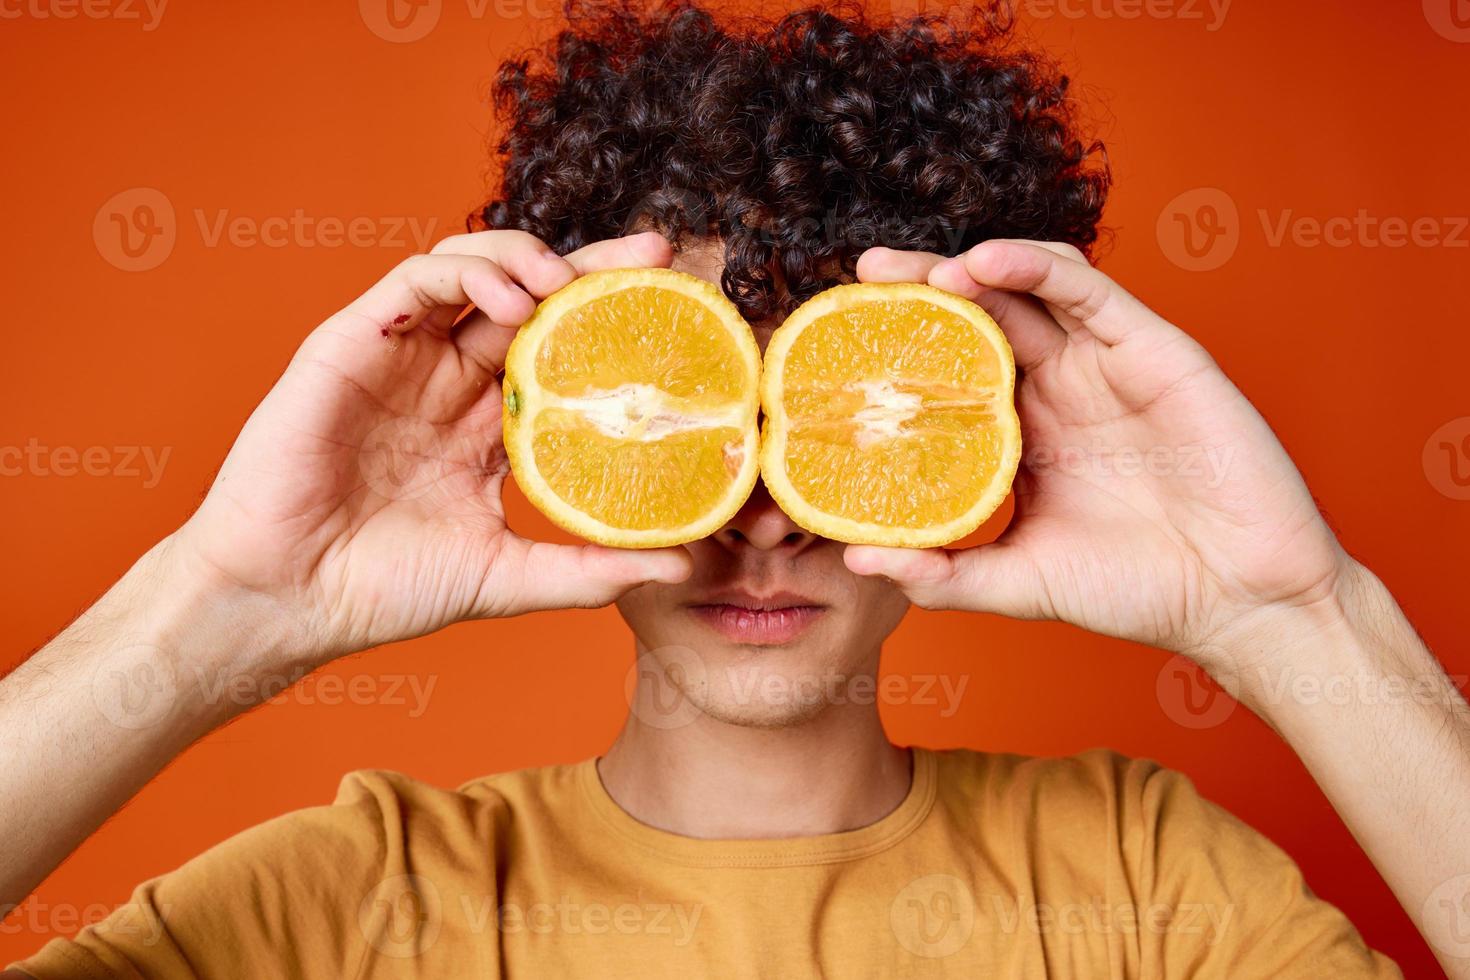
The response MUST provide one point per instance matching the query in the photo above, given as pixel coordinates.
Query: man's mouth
(743, 617)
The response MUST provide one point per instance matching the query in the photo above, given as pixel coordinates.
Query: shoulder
(1140, 803)
(1203, 886)
(532, 787)
(1090, 784)
(1127, 812)
(399, 809)
(351, 861)
(374, 793)
(380, 819)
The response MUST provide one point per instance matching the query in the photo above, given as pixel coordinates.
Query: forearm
(1385, 733)
(95, 714)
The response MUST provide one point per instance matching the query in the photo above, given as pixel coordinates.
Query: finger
(883, 264)
(423, 285)
(559, 576)
(1033, 333)
(1065, 250)
(645, 250)
(952, 276)
(485, 339)
(1078, 295)
(447, 321)
(524, 257)
(993, 578)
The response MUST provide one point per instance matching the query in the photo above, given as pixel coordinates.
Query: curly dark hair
(799, 143)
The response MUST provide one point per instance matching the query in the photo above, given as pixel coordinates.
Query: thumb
(990, 578)
(559, 576)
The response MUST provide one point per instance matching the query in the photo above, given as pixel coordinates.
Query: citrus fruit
(630, 406)
(889, 415)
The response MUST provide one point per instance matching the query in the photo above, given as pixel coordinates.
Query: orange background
(1356, 354)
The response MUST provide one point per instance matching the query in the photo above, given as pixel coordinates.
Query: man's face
(772, 627)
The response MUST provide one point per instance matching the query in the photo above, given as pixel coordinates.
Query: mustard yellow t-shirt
(993, 866)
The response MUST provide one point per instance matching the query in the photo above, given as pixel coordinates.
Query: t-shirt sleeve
(294, 896)
(1221, 899)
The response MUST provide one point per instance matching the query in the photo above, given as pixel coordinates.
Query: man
(740, 832)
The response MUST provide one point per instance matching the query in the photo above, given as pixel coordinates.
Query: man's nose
(761, 524)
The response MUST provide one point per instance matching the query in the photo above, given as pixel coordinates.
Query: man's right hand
(360, 505)
(363, 497)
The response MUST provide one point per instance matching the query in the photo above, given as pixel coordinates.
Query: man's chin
(767, 685)
(760, 715)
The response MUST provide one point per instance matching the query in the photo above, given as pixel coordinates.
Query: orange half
(630, 406)
(889, 415)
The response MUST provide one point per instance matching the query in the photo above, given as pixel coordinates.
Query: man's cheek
(882, 604)
(637, 606)
(873, 588)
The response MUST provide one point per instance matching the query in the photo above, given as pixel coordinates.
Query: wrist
(1346, 651)
(1243, 634)
(1281, 658)
(182, 641)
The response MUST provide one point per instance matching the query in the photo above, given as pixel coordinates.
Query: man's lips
(743, 617)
